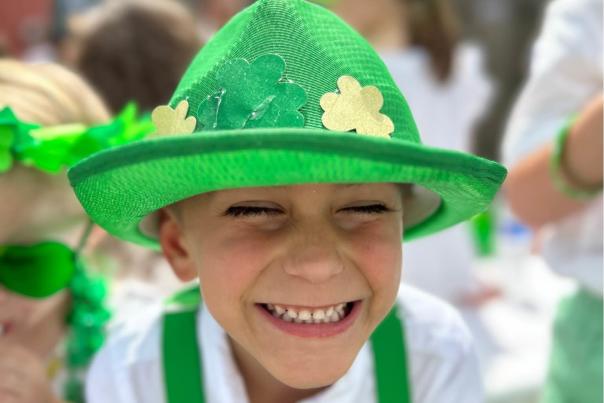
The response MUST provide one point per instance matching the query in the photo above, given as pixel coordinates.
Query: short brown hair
(136, 50)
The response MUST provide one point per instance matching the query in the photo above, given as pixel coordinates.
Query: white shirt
(566, 72)
(443, 363)
(445, 113)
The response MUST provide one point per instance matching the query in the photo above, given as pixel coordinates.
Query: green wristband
(560, 181)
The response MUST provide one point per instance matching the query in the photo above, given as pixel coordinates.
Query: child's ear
(173, 246)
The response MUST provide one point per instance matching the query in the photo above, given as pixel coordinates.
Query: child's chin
(316, 382)
(312, 378)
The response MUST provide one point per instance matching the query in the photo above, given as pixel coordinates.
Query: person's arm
(530, 189)
(564, 78)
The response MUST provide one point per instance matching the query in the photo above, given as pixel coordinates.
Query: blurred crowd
(516, 81)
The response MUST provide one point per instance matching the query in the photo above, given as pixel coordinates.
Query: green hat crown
(285, 93)
(289, 50)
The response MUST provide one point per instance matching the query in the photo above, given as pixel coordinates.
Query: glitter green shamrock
(253, 95)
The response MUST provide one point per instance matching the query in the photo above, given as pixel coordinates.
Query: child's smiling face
(305, 249)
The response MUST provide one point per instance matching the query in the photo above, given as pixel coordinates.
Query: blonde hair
(49, 94)
(46, 94)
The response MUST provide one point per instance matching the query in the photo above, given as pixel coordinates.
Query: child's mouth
(325, 321)
(328, 314)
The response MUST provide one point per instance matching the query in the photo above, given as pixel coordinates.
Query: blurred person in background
(553, 145)
(37, 207)
(135, 50)
(61, 13)
(444, 82)
(52, 309)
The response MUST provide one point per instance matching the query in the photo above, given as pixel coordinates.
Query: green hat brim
(119, 188)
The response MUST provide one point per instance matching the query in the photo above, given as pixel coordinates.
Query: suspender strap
(181, 356)
(182, 359)
(390, 360)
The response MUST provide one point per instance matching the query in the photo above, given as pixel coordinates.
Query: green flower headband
(53, 148)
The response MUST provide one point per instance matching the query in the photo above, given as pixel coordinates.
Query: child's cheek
(229, 264)
(377, 252)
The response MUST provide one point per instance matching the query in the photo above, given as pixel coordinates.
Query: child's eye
(368, 209)
(251, 211)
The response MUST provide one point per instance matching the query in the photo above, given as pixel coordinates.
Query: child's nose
(315, 261)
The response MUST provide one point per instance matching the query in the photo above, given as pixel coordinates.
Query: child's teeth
(327, 315)
(318, 314)
(304, 315)
(334, 317)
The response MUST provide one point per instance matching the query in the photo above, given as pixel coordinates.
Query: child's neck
(260, 385)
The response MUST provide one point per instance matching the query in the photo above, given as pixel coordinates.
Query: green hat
(285, 93)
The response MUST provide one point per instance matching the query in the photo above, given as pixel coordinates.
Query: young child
(284, 172)
(52, 311)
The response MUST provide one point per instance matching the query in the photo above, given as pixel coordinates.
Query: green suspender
(390, 360)
(181, 356)
(182, 360)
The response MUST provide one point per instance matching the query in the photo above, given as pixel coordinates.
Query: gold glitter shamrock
(355, 108)
(173, 121)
